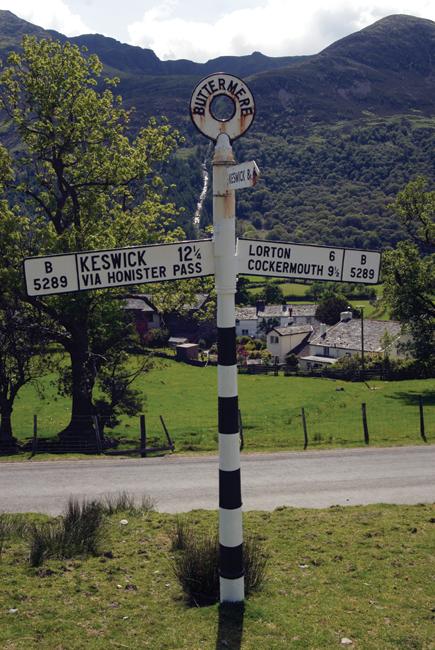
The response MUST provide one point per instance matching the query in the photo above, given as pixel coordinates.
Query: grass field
(271, 409)
(366, 574)
(378, 312)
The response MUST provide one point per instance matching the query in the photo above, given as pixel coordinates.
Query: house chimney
(322, 328)
(346, 315)
(284, 305)
(260, 304)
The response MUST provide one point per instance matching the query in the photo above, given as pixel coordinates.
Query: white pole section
(230, 499)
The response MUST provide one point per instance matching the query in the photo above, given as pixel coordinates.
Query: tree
(272, 293)
(267, 324)
(23, 358)
(329, 310)
(243, 295)
(87, 184)
(115, 380)
(410, 278)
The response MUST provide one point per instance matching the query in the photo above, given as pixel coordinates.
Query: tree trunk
(80, 429)
(7, 440)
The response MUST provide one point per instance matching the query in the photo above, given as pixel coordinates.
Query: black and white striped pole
(223, 132)
(230, 498)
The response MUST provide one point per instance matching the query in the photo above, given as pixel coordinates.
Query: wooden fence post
(143, 437)
(420, 402)
(366, 431)
(305, 428)
(241, 430)
(166, 430)
(35, 435)
(97, 435)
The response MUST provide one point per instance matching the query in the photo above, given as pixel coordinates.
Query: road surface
(311, 479)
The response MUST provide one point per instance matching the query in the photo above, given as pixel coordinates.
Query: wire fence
(343, 425)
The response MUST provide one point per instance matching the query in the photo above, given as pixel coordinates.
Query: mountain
(336, 135)
(136, 60)
(386, 68)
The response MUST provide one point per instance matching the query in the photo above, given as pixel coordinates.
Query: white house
(282, 340)
(144, 311)
(248, 318)
(345, 338)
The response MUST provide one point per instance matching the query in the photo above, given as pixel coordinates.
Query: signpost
(226, 176)
(188, 259)
(118, 267)
(245, 175)
(286, 260)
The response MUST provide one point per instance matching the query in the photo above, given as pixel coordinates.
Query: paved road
(180, 484)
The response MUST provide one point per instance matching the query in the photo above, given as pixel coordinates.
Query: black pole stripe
(231, 562)
(228, 414)
(230, 491)
(227, 349)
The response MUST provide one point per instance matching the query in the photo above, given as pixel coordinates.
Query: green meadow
(362, 577)
(271, 411)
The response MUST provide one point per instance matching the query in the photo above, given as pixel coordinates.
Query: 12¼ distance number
(50, 283)
(358, 272)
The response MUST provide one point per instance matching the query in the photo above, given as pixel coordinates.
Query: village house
(186, 327)
(282, 340)
(144, 312)
(345, 338)
(249, 318)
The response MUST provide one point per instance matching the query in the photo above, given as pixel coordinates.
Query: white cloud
(203, 29)
(49, 14)
(280, 27)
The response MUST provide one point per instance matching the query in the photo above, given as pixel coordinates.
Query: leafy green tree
(115, 381)
(329, 310)
(272, 293)
(409, 278)
(267, 324)
(23, 357)
(408, 291)
(87, 183)
(243, 296)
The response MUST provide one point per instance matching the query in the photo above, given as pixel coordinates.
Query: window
(245, 332)
(274, 339)
(326, 352)
(237, 321)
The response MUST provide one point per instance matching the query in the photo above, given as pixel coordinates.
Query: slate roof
(270, 311)
(328, 361)
(303, 349)
(137, 304)
(303, 310)
(347, 334)
(288, 330)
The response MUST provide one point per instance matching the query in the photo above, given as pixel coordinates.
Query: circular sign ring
(209, 89)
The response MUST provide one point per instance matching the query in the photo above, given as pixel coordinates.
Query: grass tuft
(123, 501)
(81, 531)
(196, 565)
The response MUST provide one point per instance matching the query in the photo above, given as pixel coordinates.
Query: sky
(200, 30)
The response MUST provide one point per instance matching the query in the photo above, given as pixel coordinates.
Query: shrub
(157, 338)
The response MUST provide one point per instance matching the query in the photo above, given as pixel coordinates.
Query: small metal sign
(244, 175)
(286, 260)
(201, 106)
(117, 267)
